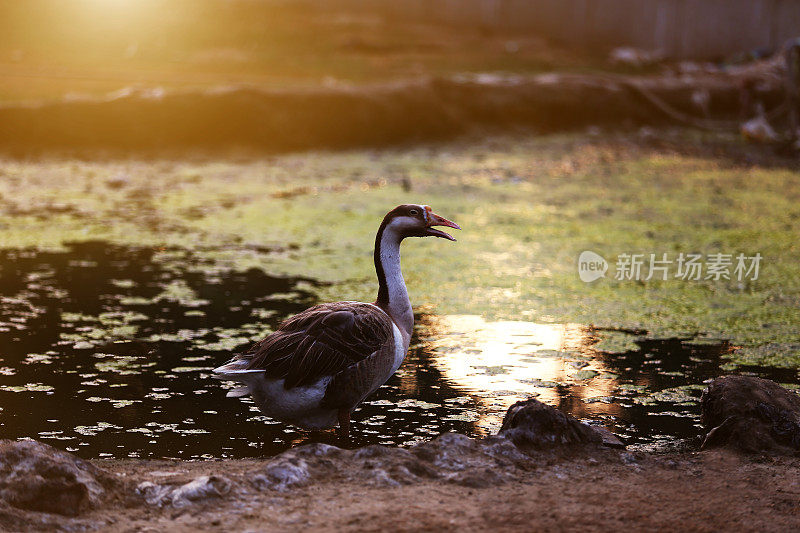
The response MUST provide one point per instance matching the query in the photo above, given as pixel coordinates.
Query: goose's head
(412, 220)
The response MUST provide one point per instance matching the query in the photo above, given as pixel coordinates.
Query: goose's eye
(413, 212)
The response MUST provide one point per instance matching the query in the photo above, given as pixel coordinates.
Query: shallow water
(107, 350)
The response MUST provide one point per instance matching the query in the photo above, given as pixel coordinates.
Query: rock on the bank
(38, 477)
(751, 414)
(199, 489)
(530, 424)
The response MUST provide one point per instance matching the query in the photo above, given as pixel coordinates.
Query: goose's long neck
(392, 293)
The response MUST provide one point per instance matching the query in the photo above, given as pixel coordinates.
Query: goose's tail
(236, 370)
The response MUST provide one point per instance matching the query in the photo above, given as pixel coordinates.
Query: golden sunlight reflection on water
(500, 363)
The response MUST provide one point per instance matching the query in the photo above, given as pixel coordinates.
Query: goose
(321, 363)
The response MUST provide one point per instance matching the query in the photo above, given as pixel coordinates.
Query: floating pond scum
(107, 352)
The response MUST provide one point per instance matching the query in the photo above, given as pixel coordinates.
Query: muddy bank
(374, 115)
(544, 470)
(687, 492)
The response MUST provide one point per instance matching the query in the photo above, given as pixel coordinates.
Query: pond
(106, 351)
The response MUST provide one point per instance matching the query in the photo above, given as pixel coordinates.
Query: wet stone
(751, 414)
(197, 490)
(504, 452)
(283, 473)
(37, 477)
(385, 466)
(530, 424)
(450, 451)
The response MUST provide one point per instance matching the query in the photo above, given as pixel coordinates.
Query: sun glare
(511, 361)
(117, 5)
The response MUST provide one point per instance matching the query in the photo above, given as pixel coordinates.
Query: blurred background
(245, 69)
(51, 48)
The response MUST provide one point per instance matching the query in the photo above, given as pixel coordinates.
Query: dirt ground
(708, 491)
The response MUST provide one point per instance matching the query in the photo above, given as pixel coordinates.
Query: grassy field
(528, 207)
(51, 48)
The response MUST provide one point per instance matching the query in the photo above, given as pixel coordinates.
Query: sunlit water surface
(106, 351)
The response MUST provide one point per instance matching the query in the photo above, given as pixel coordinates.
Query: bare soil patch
(709, 491)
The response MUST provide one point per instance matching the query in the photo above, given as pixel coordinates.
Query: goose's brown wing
(324, 340)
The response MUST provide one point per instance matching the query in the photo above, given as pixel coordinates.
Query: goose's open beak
(436, 220)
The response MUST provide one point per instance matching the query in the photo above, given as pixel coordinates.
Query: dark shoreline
(339, 117)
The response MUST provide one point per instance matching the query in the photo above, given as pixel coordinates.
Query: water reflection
(106, 350)
(504, 362)
(646, 392)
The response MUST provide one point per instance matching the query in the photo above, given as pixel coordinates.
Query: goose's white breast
(400, 349)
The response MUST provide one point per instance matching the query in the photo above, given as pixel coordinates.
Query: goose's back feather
(350, 341)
